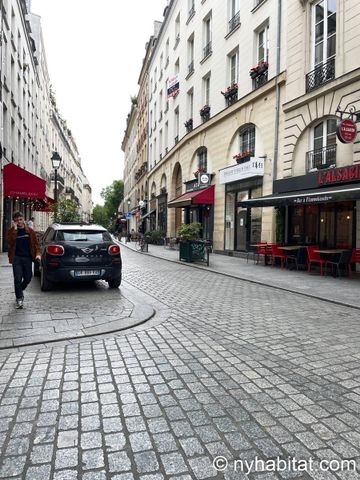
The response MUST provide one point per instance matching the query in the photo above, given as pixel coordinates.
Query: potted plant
(199, 170)
(231, 90)
(260, 68)
(191, 248)
(205, 111)
(243, 157)
(189, 125)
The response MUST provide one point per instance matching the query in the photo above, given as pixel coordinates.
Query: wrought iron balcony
(191, 13)
(260, 79)
(321, 158)
(234, 22)
(207, 50)
(320, 75)
(190, 68)
(176, 139)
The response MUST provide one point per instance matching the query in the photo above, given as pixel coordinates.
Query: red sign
(346, 131)
(339, 175)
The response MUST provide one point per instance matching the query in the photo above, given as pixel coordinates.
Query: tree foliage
(66, 210)
(100, 216)
(113, 196)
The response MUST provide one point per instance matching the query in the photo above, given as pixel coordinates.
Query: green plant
(189, 231)
(66, 210)
(280, 224)
(154, 237)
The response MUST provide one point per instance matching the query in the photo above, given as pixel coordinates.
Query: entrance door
(241, 217)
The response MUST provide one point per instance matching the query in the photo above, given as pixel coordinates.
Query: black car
(78, 252)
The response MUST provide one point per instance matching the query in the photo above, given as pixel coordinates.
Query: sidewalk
(342, 290)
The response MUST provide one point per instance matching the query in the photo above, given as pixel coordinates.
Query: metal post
(56, 196)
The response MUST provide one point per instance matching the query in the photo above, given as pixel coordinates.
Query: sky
(94, 53)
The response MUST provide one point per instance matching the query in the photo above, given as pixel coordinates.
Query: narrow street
(225, 368)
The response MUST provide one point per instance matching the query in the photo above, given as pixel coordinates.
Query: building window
(176, 125)
(177, 31)
(190, 103)
(263, 45)
(206, 90)
(247, 139)
(167, 53)
(233, 68)
(207, 36)
(190, 55)
(202, 160)
(323, 154)
(234, 15)
(323, 44)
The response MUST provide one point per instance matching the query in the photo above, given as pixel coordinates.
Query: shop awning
(306, 197)
(147, 215)
(44, 205)
(20, 183)
(205, 196)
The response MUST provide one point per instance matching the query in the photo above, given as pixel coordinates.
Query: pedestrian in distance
(31, 222)
(24, 248)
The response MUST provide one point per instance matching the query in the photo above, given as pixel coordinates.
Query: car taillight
(114, 250)
(55, 250)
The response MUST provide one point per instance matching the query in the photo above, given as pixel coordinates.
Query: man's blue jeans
(22, 270)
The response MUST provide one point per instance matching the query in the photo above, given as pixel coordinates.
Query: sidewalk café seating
(262, 250)
(299, 258)
(314, 257)
(277, 253)
(344, 261)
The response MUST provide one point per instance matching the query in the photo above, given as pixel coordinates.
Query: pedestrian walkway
(66, 313)
(338, 290)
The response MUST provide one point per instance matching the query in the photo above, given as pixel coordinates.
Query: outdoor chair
(355, 257)
(299, 259)
(261, 251)
(314, 257)
(277, 253)
(344, 261)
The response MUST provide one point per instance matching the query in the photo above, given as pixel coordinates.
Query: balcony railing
(234, 22)
(260, 79)
(191, 13)
(321, 158)
(207, 50)
(176, 139)
(191, 68)
(320, 75)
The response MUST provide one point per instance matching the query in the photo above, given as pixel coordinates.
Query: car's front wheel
(114, 283)
(45, 284)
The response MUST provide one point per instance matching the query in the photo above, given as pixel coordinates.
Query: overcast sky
(94, 53)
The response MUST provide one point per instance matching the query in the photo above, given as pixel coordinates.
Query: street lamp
(128, 219)
(56, 161)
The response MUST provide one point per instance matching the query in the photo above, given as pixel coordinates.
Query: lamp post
(56, 161)
(127, 218)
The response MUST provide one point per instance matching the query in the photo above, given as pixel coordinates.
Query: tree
(66, 210)
(113, 196)
(100, 216)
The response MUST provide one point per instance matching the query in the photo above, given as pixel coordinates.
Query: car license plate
(86, 273)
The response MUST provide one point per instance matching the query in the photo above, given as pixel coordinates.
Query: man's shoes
(19, 303)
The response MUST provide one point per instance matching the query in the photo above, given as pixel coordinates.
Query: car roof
(77, 226)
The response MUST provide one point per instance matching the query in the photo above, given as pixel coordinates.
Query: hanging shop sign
(252, 168)
(346, 131)
(204, 179)
(173, 86)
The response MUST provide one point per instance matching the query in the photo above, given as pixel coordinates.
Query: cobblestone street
(225, 368)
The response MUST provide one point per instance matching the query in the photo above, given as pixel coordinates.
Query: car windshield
(82, 236)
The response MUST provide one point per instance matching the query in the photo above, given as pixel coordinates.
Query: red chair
(277, 253)
(261, 251)
(314, 257)
(355, 257)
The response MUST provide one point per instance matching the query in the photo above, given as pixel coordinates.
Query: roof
(76, 226)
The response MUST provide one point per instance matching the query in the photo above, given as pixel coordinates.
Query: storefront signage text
(316, 199)
(339, 175)
(252, 168)
(173, 86)
(346, 131)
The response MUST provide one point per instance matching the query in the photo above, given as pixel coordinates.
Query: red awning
(20, 183)
(44, 205)
(205, 196)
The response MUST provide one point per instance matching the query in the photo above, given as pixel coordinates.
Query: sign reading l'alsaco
(347, 174)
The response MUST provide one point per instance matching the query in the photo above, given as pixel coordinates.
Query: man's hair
(17, 215)
(32, 218)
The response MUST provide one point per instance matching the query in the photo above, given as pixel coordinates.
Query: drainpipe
(277, 90)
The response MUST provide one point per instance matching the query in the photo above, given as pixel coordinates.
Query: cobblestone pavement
(66, 312)
(231, 368)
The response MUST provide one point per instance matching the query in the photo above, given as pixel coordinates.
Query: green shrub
(189, 231)
(154, 237)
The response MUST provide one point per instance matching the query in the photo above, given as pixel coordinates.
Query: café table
(331, 254)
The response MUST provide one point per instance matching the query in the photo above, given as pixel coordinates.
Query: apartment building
(31, 126)
(216, 81)
(317, 182)
(129, 147)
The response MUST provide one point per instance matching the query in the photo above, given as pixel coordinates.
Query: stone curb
(256, 282)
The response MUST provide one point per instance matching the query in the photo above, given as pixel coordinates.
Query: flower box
(243, 157)
(259, 69)
(205, 111)
(230, 91)
(199, 170)
(189, 125)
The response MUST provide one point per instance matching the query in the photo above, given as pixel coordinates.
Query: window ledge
(259, 4)
(232, 31)
(190, 74)
(205, 58)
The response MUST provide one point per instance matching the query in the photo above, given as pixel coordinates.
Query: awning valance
(20, 183)
(205, 196)
(306, 197)
(44, 205)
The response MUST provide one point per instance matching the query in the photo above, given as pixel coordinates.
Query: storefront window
(297, 225)
(327, 226)
(311, 224)
(247, 139)
(255, 232)
(344, 226)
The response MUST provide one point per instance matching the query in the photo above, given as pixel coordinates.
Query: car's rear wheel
(45, 284)
(114, 283)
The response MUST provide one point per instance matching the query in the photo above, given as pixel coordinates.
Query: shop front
(23, 191)
(162, 212)
(242, 224)
(316, 209)
(198, 204)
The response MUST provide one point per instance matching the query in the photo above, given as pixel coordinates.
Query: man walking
(23, 249)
